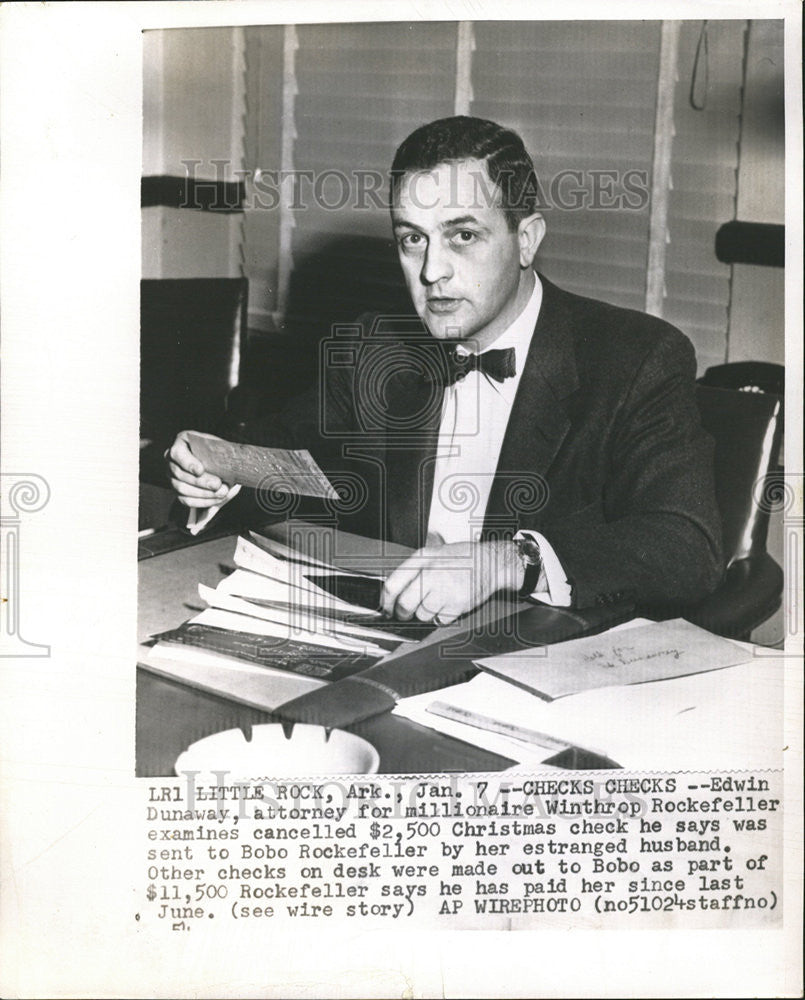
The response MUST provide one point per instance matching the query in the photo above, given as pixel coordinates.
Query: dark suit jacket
(604, 453)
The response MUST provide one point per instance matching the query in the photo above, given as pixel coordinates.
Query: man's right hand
(194, 486)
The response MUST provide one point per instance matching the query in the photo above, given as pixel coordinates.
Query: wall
(704, 162)
(192, 110)
(757, 322)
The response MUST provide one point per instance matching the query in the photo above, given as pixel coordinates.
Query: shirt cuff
(559, 592)
(199, 517)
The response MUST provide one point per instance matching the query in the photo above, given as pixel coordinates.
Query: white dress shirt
(475, 414)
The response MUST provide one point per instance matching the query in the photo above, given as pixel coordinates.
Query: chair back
(192, 335)
(748, 376)
(746, 427)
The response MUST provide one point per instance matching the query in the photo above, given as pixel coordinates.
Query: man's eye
(464, 237)
(411, 241)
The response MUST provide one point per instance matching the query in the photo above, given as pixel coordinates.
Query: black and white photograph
(401, 499)
(451, 351)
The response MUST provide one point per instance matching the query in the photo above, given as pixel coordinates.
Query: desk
(171, 716)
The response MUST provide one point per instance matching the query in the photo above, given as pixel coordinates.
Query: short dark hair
(451, 140)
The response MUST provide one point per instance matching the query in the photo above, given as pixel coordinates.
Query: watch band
(531, 558)
(530, 580)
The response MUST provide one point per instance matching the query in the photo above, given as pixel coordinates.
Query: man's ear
(530, 232)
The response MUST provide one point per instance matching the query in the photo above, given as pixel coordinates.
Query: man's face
(462, 263)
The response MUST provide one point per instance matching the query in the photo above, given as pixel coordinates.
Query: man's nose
(436, 265)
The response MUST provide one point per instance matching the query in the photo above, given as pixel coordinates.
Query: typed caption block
(644, 851)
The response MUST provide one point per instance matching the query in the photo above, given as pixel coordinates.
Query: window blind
(263, 115)
(361, 89)
(704, 168)
(582, 95)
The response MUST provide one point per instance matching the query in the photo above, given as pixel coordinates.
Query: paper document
(369, 624)
(258, 686)
(268, 468)
(362, 592)
(726, 719)
(296, 623)
(651, 652)
(247, 639)
(255, 559)
(229, 619)
(251, 557)
(255, 586)
(294, 557)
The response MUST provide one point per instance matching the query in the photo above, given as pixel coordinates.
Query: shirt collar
(519, 334)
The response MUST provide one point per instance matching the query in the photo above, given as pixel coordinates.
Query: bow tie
(497, 364)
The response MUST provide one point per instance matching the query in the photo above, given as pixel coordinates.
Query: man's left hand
(439, 583)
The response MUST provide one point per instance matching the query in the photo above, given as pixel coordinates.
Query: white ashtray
(307, 750)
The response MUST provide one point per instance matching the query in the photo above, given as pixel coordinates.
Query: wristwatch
(530, 556)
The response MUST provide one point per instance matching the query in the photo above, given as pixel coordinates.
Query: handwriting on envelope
(652, 652)
(267, 468)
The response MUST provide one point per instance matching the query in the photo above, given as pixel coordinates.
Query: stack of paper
(726, 718)
(273, 630)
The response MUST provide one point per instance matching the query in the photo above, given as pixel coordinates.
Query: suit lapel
(538, 421)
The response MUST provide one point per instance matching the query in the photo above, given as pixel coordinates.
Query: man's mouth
(442, 304)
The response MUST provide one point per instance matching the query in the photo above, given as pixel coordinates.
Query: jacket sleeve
(658, 542)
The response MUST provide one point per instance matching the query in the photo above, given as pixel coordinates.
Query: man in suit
(523, 439)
